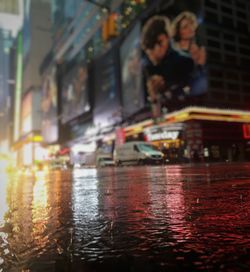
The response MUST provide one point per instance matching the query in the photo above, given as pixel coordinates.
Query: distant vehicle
(96, 158)
(138, 152)
(105, 161)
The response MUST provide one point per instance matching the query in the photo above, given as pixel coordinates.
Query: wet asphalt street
(147, 218)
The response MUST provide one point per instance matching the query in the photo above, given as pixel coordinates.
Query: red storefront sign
(246, 131)
(120, 136)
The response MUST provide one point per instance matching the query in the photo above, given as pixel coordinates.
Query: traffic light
(110, 27)
(105, 31)
(113, 25)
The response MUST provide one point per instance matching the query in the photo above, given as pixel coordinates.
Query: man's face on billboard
(157, 53)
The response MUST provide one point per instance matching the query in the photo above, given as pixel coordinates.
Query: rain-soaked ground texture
(160, 218)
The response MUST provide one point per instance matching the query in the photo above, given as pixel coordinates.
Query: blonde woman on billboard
(167, 71)
(184, 28)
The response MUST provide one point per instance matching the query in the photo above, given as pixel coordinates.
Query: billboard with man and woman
(174, 57)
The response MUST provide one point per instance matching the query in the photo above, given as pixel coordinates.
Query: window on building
(241, 15)
(212, 43)
(228, 2)
(235, 98)
(240, 4)
(211, 4)
(229, 47)
(229, 37)
(245, 77)
(230, 59)
(245, 51)
(242, 26)
(218, 95)
(217, 73)
(244, 41)
(211, 17)
(247, 99)
(245, 62)
(246, 88)
(10, 6)
(216, 84)
(213, 33)
(226, 10)
(231, 75)
(227, 21)
(214, 56)
(233, 87)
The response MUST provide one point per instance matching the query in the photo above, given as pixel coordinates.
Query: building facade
(34, 41)
(10, 22)
(104, 65)
(227, 27)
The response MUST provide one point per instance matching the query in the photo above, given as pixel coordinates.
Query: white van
(137, 152)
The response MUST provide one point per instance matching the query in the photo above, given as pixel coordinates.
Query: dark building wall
(227, 31)
(40, 42)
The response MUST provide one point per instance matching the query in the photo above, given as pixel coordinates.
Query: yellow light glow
(37, 138)
(209, 114)
(40, 192)
(194, 113)
(135, 130)
(219, 118)
(181, 117)
(40, 209)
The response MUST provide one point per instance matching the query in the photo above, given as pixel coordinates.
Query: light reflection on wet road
(180, 218)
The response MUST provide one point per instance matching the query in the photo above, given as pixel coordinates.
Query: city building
(227, 28)
(11, 18)
(4, 90)
(84, 36)
(221, 132)
(34, 41)
(101, 55)
(11, 15)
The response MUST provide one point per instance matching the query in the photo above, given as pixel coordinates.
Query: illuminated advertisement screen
(107, 102)
(11, 7)
(75, 98)
(131, 73)
(18, 88)
(49, 108)
(174, 56)
(26, 114)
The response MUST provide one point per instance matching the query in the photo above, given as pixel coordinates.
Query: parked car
(105, 161)
(138, 152)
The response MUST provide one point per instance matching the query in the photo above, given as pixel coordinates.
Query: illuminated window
(9, 6)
